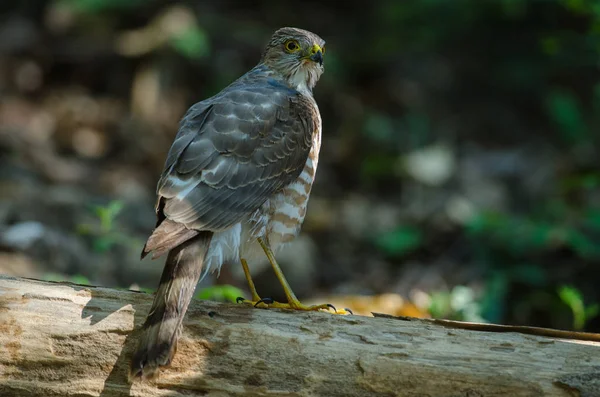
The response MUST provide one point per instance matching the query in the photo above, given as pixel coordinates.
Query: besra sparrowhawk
(235, 184)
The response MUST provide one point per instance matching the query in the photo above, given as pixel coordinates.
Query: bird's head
(297, 55)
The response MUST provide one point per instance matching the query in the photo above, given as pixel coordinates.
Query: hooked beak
(316, 54)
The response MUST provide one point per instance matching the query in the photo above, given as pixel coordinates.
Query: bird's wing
(233, 151)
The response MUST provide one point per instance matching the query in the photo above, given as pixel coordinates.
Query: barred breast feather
(288, 208)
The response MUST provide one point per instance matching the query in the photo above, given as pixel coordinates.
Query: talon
(266, 301)
(332, 307)
(348, 310)
(239, 299)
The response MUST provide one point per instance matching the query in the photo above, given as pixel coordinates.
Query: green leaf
(221, 293)
(573, 298)
(439, 305)
(80, 279)
(107, 214)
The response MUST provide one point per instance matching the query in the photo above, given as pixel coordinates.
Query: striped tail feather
(158, 336)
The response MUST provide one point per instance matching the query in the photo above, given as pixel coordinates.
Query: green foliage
(401, 241)
(221, 293)
(514, 247)
(466, 72)
(104, 233)
(573, 298)
(107, 214)
(522, 236)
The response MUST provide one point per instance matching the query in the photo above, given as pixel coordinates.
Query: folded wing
(233, 152)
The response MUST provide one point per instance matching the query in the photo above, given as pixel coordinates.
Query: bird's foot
(292, 305)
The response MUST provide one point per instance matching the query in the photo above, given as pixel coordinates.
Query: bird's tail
(158, 337)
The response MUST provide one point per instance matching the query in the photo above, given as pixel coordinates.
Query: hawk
(235, 185)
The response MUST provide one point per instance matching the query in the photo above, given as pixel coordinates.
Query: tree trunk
(68, 340)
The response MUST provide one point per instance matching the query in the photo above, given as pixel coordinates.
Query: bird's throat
(303, 79)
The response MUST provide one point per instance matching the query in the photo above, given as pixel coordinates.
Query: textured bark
(69, 340)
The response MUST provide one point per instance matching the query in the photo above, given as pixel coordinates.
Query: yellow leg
(255, 297)
(293, 302)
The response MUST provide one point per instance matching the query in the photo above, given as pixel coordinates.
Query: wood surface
(59, 339)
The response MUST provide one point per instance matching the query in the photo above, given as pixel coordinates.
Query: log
(59, 339)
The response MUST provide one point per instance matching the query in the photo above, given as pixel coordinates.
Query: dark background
(459, 173)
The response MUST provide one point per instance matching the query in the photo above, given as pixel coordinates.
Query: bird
(235, 186)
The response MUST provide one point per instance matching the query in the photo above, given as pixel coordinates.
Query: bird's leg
(255, 297)
(293, 302)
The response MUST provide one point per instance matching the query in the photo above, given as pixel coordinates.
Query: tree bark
(61, 339)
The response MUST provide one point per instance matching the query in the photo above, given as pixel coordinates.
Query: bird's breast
(288, 207)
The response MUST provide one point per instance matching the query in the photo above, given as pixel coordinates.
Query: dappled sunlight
(458, 175)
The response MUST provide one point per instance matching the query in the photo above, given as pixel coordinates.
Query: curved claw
(348, 310)
(332, 307)
(266, 301)
(240, 299)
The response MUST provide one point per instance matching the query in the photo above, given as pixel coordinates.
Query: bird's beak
(316, 54)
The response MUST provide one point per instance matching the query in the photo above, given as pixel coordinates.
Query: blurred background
(459, 174)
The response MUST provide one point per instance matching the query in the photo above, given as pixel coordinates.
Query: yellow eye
(291, 46)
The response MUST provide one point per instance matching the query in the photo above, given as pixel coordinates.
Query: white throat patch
(299, 80)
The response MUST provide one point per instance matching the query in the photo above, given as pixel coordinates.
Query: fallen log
(59, 339)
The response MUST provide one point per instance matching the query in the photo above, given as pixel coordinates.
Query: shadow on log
(61, 339)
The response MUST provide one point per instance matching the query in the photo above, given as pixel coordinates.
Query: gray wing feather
(233, 151)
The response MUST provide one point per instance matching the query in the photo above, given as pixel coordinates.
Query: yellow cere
(316, 48)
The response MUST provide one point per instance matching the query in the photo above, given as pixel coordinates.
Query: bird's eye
(292, 46)
(323, 50)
